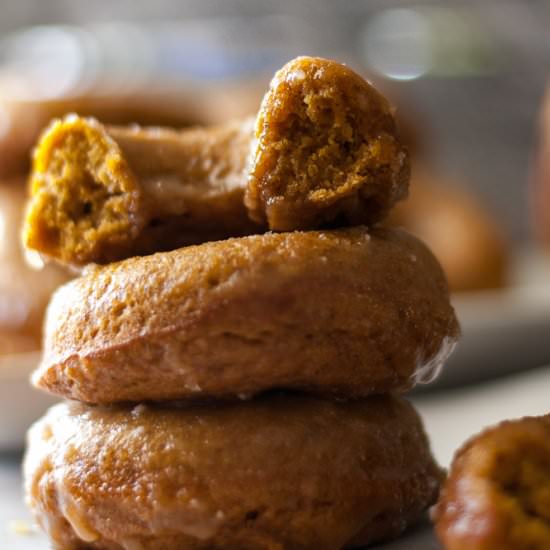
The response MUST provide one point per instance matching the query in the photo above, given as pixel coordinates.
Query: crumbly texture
(83, 192)
(497, 496)
(327, 150)
(343, 312)
(464, 236)
(24, 291)
(279, 472)
(100, 193)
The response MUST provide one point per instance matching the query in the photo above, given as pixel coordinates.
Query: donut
(323, 149)
(24, 291)
(497, 496)
(342, 312)
(465, 237)
(280, 471)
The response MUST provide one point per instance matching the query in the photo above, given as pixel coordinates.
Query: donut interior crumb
(525, 485)
(80, 191)
(324, 137)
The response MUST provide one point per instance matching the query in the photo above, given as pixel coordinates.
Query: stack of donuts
(236, 346)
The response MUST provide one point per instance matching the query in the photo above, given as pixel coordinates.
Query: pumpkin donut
(497, 496)
(342, 312)
(280, 471)
(324, 148)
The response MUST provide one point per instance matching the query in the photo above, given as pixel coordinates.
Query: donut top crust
(347, 312)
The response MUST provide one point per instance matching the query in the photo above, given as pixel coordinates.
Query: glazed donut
(497, 496)
(24, 292)
(342, 312)
(280, 471)
(463, 235)
(325, 148)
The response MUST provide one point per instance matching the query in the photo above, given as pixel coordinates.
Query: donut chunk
(342, 312)
(497, 496)
(280, 471)
(327, 149)
(104, 193)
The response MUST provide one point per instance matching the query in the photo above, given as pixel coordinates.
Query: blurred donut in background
(24, 291)
(49, 71)
(463, 235)
(541, 194)
(22, 120)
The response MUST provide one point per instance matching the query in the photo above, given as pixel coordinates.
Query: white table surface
(450, 417)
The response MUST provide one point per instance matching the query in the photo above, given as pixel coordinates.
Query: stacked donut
(242, 393)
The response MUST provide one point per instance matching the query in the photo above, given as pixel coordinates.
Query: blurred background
(468, 80)
(467, 76)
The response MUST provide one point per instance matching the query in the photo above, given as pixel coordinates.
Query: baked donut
(342, 312)
(24, 291)
(278, 472)
(497, 496)
(325, 148)
(462, 233)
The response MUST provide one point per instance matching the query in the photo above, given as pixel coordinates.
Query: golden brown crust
(105, 193)
(280, 471)
(461, 233)
(344, 312)
(24, 291)
(327, 149)
(497, 496)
